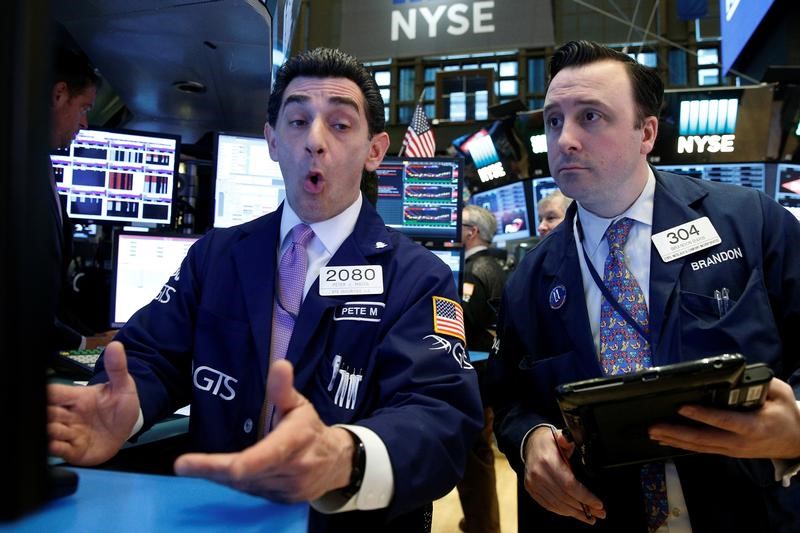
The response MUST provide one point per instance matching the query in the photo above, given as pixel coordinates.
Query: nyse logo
(455, 19)
(705, 143)
(707, 125)
(206, 379)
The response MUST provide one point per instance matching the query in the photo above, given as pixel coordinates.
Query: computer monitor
(142, 266)
(787, 187)
(751, 175)
(509, 205)
(422, 196)
(248, 182)
(453, 258)
(495, 156)
(118, 176)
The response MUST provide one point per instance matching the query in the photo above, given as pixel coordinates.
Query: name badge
(360, 311)
(686, 239)
(351, 280)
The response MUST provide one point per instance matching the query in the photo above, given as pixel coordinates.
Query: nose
(315, 140)
(542, 228)
(568, 137)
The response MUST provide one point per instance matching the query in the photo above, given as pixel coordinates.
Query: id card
(351, 280)
(686, 239)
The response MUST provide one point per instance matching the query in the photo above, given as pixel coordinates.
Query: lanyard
(607, 293)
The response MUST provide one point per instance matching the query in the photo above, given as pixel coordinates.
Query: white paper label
(686, 239)
(350, 280)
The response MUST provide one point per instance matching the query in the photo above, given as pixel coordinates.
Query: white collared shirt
(328, 237)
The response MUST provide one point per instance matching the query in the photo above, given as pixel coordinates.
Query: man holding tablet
(648, 269)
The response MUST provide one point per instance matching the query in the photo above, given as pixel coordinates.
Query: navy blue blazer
(541, 347)
(205, 339)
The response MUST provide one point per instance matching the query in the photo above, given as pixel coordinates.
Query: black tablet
(609, 417)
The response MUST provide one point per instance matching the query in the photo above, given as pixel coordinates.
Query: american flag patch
(448, 317)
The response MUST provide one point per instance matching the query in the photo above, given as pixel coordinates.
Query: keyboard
(76, 364)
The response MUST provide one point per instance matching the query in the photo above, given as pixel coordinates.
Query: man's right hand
(550, 481)
(88, 425)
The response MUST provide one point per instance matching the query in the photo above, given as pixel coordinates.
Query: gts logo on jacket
(207, 379)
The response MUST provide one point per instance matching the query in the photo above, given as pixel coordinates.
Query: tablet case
(608, 417)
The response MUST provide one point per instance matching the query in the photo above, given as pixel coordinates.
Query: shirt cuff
(377, 488)
(786, 469)
(528, 434)
(138, 425)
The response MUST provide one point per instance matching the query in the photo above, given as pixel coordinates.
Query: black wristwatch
(357, 472)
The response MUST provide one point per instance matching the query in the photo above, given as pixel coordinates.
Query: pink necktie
(291, 280)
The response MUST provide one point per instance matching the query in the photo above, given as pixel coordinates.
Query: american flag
(448, 317)
(419, 141)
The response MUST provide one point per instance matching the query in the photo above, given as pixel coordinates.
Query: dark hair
(73, 68)
(648, 89)
(329, 63)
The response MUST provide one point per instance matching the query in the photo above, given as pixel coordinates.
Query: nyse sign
(689, 144)
(378, 29)
(456, 21)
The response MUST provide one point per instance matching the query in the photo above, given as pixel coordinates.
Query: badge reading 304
(351, 280)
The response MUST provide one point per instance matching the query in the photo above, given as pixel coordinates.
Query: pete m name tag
(686, 239)
(351, 280)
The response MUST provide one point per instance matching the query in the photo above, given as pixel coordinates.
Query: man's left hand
(770, 432)
(299, 460)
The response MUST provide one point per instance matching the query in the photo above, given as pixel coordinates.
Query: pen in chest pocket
(722, 298)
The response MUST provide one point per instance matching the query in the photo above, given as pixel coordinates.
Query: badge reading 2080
(350, 280)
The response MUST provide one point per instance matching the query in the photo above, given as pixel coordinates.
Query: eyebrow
(334, 100)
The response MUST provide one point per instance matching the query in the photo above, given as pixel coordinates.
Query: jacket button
(248, 425)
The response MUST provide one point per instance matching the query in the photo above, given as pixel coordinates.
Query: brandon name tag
(351, 280)
(686, 239)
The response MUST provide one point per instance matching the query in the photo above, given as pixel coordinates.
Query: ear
(59, 95)
(272, 141)
(379, 144)
(649, 133)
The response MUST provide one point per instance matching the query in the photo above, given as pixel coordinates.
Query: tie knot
(617, 233)
(301, 234)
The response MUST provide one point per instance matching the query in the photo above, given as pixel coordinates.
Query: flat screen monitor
(142, 266)
(509, 205)
(422, 196)
(738, 22)
(751, 175)
(453, 258)
(119, 176)
(787, 185)
(248, 182)
(714, 125)
(495, 155)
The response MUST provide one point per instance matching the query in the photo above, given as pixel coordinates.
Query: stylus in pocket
(568, 436)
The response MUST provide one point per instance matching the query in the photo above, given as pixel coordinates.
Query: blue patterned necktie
(623, 350)
(289, 294)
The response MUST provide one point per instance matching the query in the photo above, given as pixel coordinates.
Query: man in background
(484, 278)
(551, 210)
(72, 95)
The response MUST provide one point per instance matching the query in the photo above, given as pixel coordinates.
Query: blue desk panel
(119, 501)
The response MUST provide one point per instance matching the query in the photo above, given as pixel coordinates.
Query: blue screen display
(738, 20)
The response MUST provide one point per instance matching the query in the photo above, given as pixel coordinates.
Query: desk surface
(122, 501)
